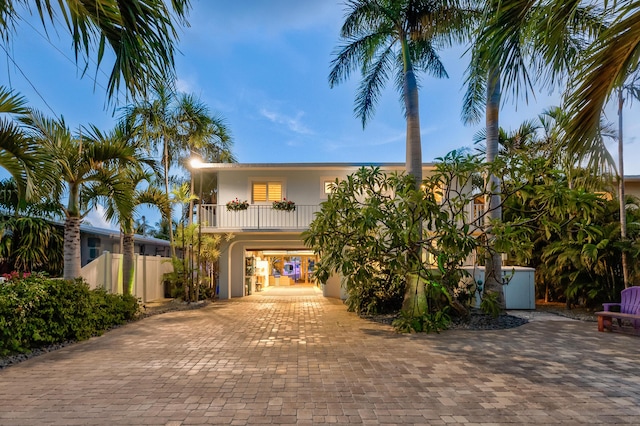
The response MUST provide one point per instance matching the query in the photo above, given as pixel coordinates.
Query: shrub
(38, 311)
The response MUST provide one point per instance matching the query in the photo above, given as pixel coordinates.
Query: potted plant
(285, 205)
(237, 205)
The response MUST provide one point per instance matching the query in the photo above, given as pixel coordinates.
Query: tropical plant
(19, 155)
(36, 311)
(84, 161)
(178, 125)
(365, 232)
(140, 35)
(396, 37)
(145, 193)
(29, 241)
(510, 37)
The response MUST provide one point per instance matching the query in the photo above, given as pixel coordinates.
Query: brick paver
(273, 359)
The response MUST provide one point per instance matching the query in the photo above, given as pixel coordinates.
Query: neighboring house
(267, 248)
(95, 241)
(632, 185)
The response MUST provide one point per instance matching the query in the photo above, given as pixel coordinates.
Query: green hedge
(38, 311)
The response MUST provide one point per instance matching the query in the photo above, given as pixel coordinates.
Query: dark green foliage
(569, 230)
(38, 311)
(427, 322)
(490, 304)
(379, 232)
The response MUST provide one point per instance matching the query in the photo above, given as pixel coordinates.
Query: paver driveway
(270, 358)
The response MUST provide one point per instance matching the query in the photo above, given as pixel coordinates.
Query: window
(327, 186)
(94, 247)
(266, 191)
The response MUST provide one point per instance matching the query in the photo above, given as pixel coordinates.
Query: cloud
(183, 86)
(366, 141)
(230, 22)
(96, 219)
(294, 124)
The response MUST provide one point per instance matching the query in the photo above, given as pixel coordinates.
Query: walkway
(274, 359)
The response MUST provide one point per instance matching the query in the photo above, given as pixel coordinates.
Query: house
(94, 241)
(632, 185)
(267, 248)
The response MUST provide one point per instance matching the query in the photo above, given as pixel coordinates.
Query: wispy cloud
(293, 123)
(184, 86)
(96, 217)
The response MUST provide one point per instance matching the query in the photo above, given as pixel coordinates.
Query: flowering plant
(15, 276)
(286, 205)
(237, 205)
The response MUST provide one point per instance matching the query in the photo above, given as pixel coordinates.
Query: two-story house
(267, 248)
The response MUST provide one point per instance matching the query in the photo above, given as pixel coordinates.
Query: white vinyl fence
(106, 272)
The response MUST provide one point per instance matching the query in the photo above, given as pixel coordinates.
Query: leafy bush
(427, 322)
(38, 311)
(490, 304)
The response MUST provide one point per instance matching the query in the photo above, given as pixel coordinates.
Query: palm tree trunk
(166, 188)
(72, 264)
(621, 196)
(413, 168)
(414, 142)
(128, 257)
(493, 265)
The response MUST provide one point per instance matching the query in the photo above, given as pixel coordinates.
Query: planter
(284, 205)
(237, 205)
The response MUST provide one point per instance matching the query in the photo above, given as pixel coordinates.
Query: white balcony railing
(258, 217)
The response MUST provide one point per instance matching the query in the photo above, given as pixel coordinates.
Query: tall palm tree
(515, 39)
(629, 90)
(400, 37)
(139, 33)
(178, 124)
(608, 64)
(136, 174)
(83, 161)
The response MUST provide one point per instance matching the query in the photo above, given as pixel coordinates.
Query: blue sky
(263, 65)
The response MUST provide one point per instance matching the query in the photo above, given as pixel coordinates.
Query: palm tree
(632, 91)
(400, 37)
(178, 124)
(513, 37)
(150, 196)
(84, 161)
(140, 34)
(134, 173)
(19, 155)
(606, 66)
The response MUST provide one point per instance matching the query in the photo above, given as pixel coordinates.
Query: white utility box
(520, 290)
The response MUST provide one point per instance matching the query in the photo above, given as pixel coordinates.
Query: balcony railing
(258, 217)
(264, 217)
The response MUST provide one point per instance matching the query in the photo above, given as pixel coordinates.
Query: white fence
(106, 272)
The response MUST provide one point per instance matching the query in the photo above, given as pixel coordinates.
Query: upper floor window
(327, 186)
(262, 192)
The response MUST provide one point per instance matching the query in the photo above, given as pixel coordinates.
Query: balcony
(257, 217)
